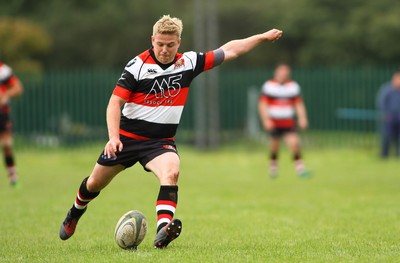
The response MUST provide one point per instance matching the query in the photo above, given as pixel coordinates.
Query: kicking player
(279, 102)
(152, 90)
(10, 87)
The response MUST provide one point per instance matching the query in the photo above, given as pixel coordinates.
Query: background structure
(69, 55)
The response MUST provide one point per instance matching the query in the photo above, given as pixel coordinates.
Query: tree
(22, 42)
(102, 34)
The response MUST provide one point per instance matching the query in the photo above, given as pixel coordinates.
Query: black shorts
(5, 122)
(280, 132)
(142, 151)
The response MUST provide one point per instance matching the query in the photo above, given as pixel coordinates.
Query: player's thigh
(6, 137)
(101, 176)
(292, 139)
(274, 143)
(165, 167)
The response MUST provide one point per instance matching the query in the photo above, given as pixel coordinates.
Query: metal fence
(64, 108)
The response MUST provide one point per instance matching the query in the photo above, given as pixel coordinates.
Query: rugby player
(152, 90)
(279, 102)
(10, 87)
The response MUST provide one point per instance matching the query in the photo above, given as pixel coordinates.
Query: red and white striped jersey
(281, 98)
(156, 93)
(7, 80)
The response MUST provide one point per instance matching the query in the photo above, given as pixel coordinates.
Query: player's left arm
(301, 113)
(238, 47)
(14, 89)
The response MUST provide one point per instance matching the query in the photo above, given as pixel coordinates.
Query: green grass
(231, 211)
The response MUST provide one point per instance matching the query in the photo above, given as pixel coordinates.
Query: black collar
(163, 66)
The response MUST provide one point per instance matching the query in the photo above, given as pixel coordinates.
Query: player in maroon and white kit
(279, 102)
(10, 87)
(152, 90)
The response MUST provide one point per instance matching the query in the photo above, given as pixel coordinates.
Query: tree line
(106, 34)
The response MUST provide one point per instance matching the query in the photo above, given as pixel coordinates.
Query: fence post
(252, 120)
(213, 78)
(200, 125)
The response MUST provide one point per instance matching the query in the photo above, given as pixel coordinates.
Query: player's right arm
(121, 94)
(113, 121)
(263, 113)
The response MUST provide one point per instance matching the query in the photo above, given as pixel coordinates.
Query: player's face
(282, 73)
(165, 47)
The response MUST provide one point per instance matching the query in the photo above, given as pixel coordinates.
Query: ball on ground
(130, 230)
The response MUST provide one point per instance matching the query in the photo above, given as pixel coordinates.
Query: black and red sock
(10, 163)
(83, 197)
(273, 161)
(166, 205)
(298, 162)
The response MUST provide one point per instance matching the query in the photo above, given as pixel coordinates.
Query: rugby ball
(130, 230)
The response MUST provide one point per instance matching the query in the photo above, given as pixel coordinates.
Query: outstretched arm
(236, 48)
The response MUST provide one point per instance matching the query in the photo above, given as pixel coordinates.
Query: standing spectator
(280, 101)
(389, 108)
(10, 87)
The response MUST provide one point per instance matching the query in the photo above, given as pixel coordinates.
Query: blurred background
(69, 55)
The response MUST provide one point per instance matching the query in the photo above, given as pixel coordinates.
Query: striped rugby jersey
(156, 93)
(7, 80)
(281, 99)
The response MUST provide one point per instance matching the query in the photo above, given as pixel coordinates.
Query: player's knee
(93, 185)
(293, 141)
(6, 143)
(170, 176)
(173, 175)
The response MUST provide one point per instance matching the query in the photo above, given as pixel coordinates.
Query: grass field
(231, 211)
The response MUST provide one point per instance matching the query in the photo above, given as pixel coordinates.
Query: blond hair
(168, 25)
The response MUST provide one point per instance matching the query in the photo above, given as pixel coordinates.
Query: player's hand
(268, 125)
(303, 124)
(3, 99)
(112, 146)
(273, 35)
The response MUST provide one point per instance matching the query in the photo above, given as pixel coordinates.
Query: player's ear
(152, 40)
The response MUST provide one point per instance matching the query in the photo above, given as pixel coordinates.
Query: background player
(389, 107)
(10, 87)
(279, 102)
(153, 89)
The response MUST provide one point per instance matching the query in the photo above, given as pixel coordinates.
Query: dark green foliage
(317, 32)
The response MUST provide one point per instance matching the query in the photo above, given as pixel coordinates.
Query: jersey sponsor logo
(130, 63)
(179, 63)
(165, 88)
(169, 147)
